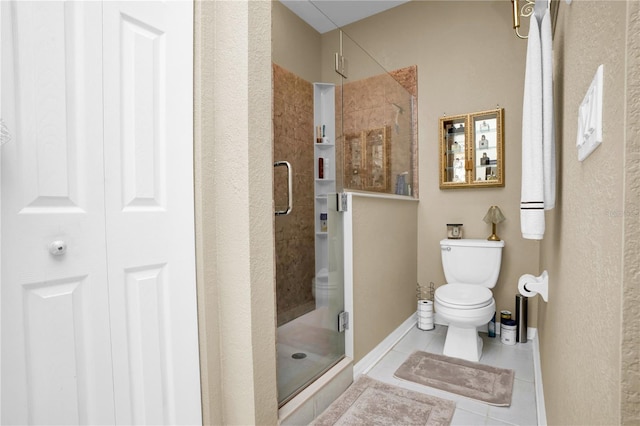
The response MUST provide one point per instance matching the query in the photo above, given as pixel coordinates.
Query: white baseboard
(537, 371)
(376, 354)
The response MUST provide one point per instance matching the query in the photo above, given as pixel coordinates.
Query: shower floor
(306, 347)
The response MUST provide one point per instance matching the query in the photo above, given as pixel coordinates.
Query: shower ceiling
(341, 12)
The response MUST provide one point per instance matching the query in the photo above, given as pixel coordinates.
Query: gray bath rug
(485, 383)
(369, 402)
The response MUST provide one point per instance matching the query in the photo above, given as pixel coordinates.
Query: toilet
(471, 268)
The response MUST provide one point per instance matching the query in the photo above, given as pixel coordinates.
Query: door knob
(58, 248)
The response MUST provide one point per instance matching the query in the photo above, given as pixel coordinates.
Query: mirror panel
(453, 136)
(487, 137)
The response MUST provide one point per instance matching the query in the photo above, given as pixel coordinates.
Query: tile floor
(470, 412)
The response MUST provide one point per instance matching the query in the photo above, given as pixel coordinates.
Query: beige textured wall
(295, 44)
(588, 256)
(234, 216)
(630, 354)
(384, 268)
(468, 60)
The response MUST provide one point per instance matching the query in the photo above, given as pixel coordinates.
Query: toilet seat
(463, 296)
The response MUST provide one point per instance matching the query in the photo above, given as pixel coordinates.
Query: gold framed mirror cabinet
(472, 150)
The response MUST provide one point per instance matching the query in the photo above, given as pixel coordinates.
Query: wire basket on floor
(424, 292)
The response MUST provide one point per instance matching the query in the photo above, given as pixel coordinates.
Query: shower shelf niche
(324, 119)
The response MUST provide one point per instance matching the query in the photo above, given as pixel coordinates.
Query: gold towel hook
(525, 12)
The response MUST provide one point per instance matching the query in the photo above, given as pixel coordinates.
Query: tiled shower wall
(368, 104)
(294, 233)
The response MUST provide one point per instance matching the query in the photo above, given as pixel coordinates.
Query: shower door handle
(289, 188)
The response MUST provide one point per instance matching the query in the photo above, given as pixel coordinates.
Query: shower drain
(299, 355)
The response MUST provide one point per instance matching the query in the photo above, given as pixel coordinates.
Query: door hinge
(342, 202)
(341, 61)
(343, 321)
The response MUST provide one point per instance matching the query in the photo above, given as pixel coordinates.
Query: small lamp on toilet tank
(494, 216)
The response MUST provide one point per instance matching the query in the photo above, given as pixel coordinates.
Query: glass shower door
(308, 244)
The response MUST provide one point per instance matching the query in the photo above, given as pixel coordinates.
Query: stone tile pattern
(294, 233)
(368, 104)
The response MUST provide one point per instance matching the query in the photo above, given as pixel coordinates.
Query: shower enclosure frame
(310, 343)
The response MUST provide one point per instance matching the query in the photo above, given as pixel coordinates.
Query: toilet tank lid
(469, 242)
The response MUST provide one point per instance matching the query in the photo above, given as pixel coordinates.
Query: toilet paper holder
(530, 285)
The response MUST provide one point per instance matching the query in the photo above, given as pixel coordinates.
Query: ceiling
(325, 15)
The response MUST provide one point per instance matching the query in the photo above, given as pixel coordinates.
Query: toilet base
(463, 343)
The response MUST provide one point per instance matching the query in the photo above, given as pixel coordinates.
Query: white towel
(548, 132)
(532, 222)
(538, 134)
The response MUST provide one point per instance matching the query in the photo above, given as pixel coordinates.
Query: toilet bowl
(466, 302)
(464, 315)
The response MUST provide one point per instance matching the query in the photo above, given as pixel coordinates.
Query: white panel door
(149, 210)
(56, 351)
(104, 329)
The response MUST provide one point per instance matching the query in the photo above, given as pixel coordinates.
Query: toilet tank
(469, 261)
